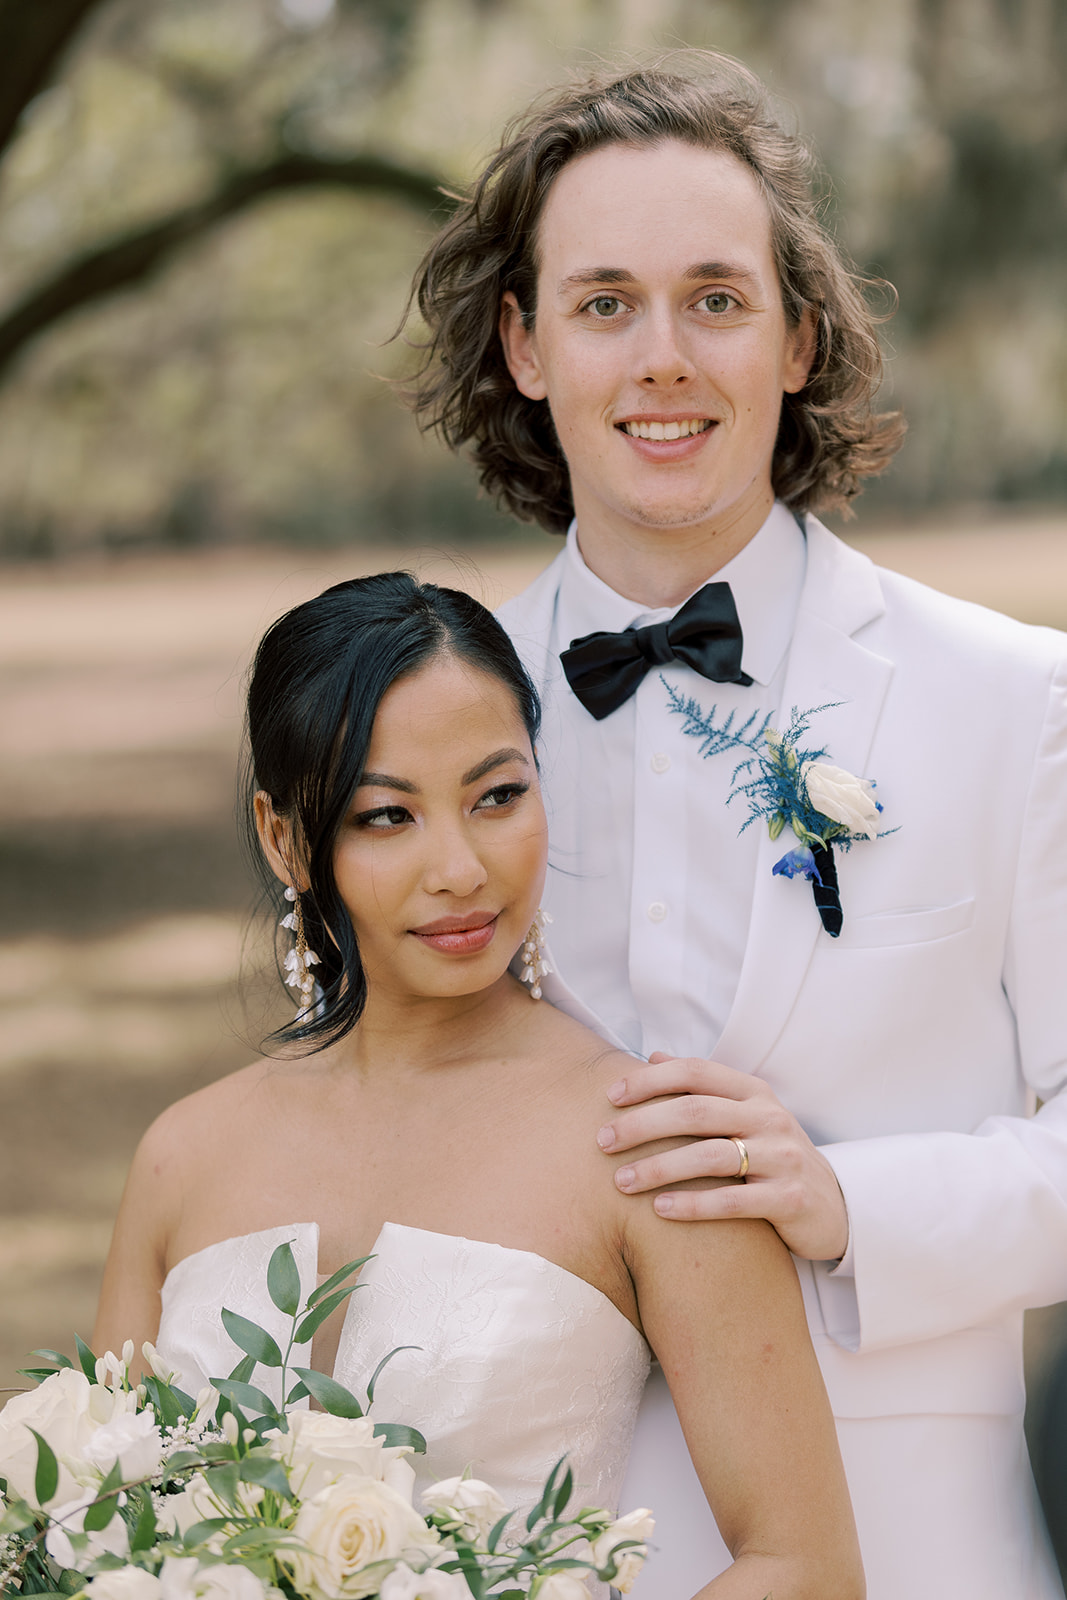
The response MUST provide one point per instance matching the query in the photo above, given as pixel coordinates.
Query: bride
(429, 1110)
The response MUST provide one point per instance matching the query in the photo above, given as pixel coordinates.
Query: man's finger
(680, 1075)
(714, 1205)
(687, 1116)
(710, 1158)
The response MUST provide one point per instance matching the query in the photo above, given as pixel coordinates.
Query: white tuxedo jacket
(913, 1047)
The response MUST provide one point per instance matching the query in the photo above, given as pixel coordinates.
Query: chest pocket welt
(905, 927)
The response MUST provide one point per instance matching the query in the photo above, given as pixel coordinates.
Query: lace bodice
(518, 1361)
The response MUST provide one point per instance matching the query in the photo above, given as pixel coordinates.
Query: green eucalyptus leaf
(563, 1493)
(16, 1515)
(332, 1397)
(169, 1403)
(46, 1478)
(53, 1355)
(266, 1471)
(383, 1363)
(252, 1338)
(38, 1374)
(336, 1278)
(106, 1503)
(399, 1434)
(299, 1391)
(223, 1481)
(71, 1583)
(200, 1532)
(86, 1357)
(283, 1281)
(314, 1319)
(144, 1529)
(245, 1394)
(244, 1369)
(496, 1532)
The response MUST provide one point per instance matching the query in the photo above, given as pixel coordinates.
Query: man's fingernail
(606, 1137)
(617, 1090)
(663, 1204)
(625, 1177)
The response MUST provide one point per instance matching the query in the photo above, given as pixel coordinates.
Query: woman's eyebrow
(382, 780)
(497, 759)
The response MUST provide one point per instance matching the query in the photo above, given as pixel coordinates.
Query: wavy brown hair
(829, 437)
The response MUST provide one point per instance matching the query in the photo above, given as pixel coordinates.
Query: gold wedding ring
(742, 1150)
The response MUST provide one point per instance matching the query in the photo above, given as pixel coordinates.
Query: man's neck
(660, 567)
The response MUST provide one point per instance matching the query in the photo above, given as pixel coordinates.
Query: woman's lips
(459, 938)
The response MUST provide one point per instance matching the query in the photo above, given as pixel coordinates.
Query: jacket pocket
(905, 927)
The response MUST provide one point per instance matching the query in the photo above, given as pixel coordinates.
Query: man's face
(660, 342)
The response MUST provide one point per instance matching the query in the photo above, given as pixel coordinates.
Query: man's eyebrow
(701, 272)
(589, 277)
(382, 780)
(497, 759)
(705, 270)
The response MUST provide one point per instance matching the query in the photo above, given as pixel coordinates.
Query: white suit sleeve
(952, 1230)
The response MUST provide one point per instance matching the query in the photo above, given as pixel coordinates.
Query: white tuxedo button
(660, 762)
(657, 911)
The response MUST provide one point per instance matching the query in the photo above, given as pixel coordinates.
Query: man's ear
(520, 350)
(277, 843)
(800, 354)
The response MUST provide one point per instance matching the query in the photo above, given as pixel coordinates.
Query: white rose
(634, 1525)
(841, 797)
(59, 1411)
(559, 1586)
(70, 1519)
(177, 1513)
(125, 1583)
(130, 1438)
(183, 1578)
(404, 1584)
(347, 1526)
(320, 1448)
(474, 1506)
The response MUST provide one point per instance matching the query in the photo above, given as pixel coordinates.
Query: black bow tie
(604, 669)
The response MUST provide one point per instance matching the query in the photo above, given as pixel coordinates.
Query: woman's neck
(415, 1035)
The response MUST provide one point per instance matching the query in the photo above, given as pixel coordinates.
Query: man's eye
(605, 305)
(718, 301)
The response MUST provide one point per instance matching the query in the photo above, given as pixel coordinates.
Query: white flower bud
(230, 1431)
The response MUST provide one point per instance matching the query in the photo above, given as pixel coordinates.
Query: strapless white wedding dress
(518, 1362)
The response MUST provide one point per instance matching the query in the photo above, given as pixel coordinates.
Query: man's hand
(788, 1181)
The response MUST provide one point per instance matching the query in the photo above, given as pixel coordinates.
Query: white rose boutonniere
(795, 788)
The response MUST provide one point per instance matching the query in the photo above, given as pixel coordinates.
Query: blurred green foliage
(237, 390)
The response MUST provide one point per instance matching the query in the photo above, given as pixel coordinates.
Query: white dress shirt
(650, 878)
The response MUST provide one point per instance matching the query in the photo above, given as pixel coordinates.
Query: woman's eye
(605, 305)
(383, 817)
(718, 301)
(502, 795)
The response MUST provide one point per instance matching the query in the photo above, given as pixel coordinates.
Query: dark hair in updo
(317, 680)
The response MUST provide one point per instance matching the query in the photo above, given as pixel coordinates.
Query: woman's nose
(453, 865)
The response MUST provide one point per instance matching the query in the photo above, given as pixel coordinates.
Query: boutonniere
(791, 786)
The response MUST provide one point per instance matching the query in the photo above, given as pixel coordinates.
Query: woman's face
(441, 858)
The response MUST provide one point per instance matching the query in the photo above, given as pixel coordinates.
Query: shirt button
(660, 762)
(657, 911)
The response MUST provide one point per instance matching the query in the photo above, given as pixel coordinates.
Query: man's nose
(663, 355)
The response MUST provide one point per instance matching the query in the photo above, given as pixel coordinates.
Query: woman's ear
(276, 841)
(520, 350)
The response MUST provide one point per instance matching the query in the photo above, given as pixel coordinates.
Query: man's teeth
(667, 430)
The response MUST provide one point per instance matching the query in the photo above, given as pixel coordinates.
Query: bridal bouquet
(113, 1490)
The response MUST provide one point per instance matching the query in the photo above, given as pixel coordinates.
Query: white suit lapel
(826, 667)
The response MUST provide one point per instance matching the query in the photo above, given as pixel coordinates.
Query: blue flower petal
(797, 863)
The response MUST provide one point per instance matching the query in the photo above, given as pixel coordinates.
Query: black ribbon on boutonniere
(825, 891)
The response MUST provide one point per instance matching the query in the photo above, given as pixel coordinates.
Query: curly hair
(829, 438)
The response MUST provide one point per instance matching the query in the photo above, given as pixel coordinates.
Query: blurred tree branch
(35, 36)
(136, 254)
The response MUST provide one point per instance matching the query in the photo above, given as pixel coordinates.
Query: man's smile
(674, 428)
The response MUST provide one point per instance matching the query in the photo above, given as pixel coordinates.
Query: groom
(641, 325)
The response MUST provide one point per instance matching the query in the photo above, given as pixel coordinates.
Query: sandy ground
(126, 903)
